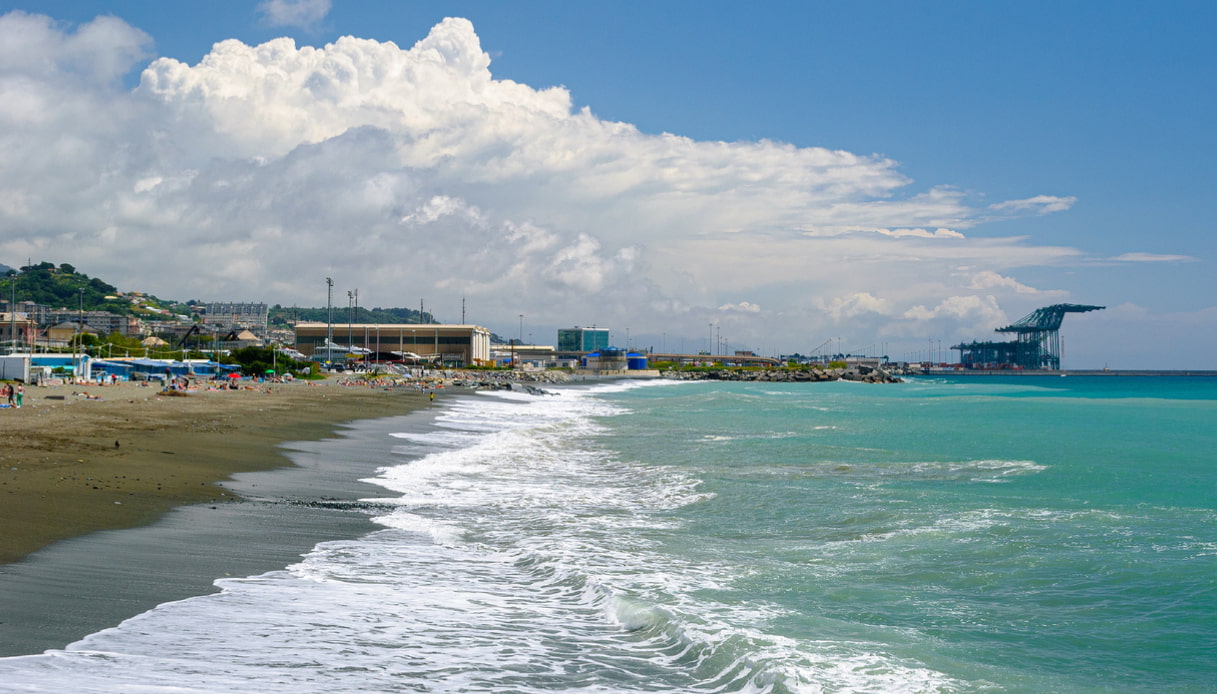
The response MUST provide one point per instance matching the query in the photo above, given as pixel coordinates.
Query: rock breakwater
(861, 374)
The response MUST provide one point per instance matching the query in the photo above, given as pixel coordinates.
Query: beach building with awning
(140, 369)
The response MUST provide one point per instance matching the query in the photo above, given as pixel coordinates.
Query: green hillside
(62, 287)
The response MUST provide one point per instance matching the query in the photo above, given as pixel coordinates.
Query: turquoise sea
(1023, 534)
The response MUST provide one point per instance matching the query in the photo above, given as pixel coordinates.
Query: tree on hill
(280, 316)
(62, 287)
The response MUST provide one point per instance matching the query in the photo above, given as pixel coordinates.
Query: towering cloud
(415, 172)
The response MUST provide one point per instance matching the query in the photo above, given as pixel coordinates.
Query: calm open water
(974, 535)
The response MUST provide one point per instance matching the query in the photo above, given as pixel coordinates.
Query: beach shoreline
(80, 459)
(213, 484)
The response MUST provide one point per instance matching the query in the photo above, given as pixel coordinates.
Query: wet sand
(167, 485)
(71, 465)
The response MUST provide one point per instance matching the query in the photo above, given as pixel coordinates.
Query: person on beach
(20, 394)
(8, 392)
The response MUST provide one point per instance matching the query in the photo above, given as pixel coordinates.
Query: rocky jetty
(504, 380)
(862, 374)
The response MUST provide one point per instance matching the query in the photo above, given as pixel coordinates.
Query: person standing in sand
(20, 394)
(8, 392)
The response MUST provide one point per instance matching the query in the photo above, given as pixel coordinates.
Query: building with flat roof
(578, 339)
(457, 345)
(231, 315)
(102, 322)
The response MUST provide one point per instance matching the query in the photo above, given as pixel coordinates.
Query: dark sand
(73, 571)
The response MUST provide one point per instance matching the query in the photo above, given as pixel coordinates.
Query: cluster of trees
(63, 287)
(257, 361)
(284, 317)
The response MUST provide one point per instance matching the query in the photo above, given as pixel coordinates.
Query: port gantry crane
(1037, 345)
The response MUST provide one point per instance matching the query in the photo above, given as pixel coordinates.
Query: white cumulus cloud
(741, 307)
(415, 172)
(987, 280)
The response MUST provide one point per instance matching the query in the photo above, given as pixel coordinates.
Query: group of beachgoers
(13, 394)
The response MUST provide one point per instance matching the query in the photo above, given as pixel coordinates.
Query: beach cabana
(105, 369)
(143, 369)
(77, 365)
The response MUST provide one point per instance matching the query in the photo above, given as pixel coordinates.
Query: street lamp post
(329, 317)
(80, 322)
(12, 315)
(519, 341)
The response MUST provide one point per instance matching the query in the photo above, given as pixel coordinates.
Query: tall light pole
(12, 314)
(520, 341)
(80, 323)
(329, 317)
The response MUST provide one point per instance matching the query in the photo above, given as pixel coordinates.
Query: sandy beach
(77, 459)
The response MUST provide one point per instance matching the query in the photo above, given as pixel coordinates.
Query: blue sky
(1066, 150)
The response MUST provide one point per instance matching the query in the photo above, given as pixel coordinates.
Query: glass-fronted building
(578, 339)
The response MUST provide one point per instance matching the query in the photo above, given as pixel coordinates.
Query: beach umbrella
(234, 375)
(270, 371)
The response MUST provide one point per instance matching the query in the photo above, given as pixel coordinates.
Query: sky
(882, 178)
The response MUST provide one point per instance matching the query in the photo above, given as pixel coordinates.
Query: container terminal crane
(1037, 345)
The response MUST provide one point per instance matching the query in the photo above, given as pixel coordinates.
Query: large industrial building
(455, 345)
(230, 315)
(1037, 345)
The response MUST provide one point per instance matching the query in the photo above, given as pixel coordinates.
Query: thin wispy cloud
(305, 14)
(1151, 258)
